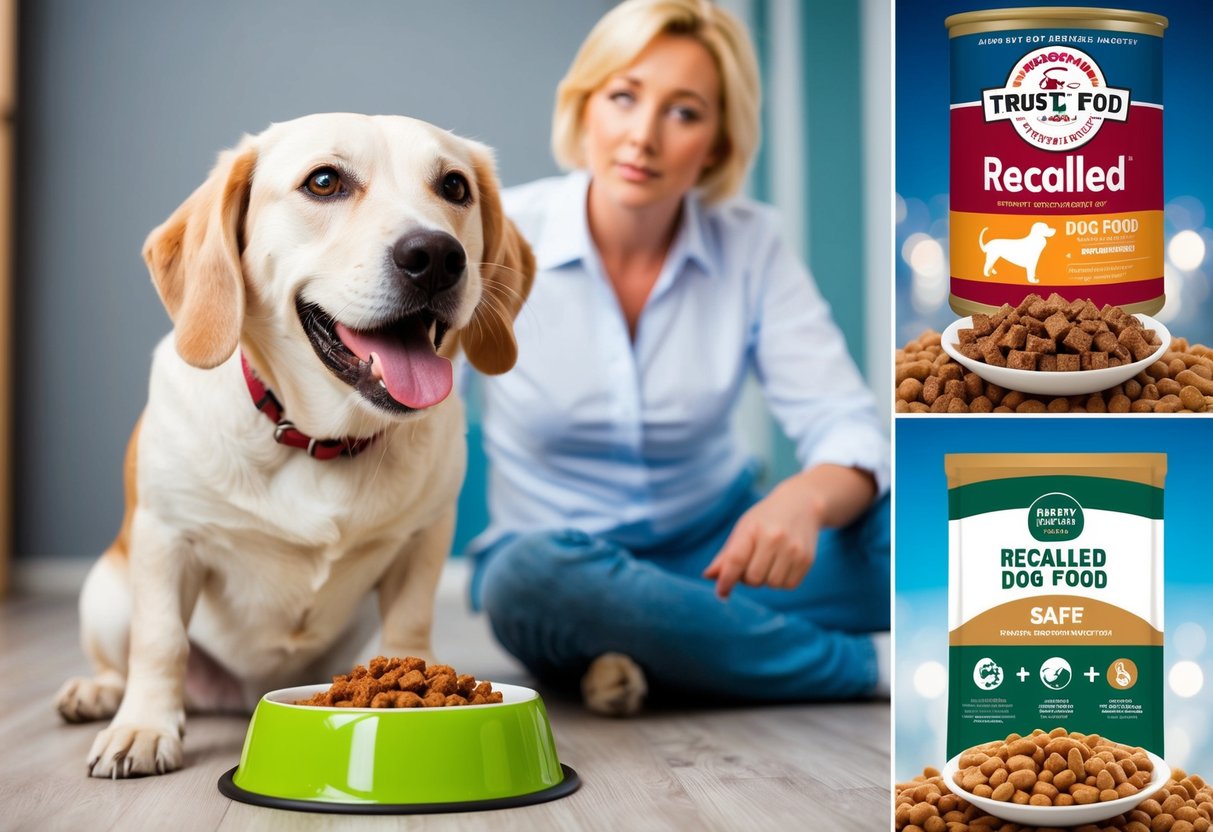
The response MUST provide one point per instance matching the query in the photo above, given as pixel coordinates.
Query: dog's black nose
(430, 260)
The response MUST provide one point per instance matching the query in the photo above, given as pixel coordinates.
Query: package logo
(987, 674)
(1057, 99)
(1055, 517)
(1056, 673)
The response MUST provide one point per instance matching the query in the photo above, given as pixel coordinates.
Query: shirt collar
(566, 235)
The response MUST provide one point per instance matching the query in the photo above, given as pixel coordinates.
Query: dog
(1021, 251)
(323, 277)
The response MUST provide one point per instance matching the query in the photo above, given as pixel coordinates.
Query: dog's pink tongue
(413, 373)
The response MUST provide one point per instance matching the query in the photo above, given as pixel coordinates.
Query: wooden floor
(811, 767)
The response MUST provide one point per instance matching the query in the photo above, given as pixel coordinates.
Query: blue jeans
(557, 600)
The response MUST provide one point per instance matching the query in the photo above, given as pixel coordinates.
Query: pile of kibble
(929, 381)
(404, 683)
(1054, 769)
(927, 804)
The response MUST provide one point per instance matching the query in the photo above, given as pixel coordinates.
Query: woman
(627, 546)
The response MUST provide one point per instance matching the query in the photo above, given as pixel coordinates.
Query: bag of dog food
(1055, 590)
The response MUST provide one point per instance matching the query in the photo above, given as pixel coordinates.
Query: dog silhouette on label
(1020, 251)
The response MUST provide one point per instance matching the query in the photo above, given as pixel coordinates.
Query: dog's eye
(323, 182)
(455, 188)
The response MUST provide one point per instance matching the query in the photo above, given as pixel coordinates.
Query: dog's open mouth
(395, 366)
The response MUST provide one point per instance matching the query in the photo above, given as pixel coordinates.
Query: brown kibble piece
(1093, 361)
(950, 372)
(1041, 345)
(932, 389)
(1106, 342)
(1169, 387)
(1192, 399)
(1202, 384)
(1057, 325)
(1077, 340)
(1015, 338)
(993, 356)
(1021, 360)
(916, 370)
(444, 683)
(974, 386)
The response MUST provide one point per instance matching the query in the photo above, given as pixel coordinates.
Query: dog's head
(1040, 229)
(344, 253)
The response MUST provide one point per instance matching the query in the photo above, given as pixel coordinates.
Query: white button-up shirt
(593, 431)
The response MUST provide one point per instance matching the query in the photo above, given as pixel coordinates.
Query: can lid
(1045, 17)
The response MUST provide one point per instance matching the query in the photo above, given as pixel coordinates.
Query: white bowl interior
(510, 694)
(1063, 816)
(1054, 384)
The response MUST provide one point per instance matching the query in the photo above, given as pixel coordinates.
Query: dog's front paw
(135, 750)
(83, 700)
(614, 685)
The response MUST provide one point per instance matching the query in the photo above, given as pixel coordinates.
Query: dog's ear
(506, 273)
(194, 258)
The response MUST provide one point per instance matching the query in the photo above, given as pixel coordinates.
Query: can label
(1056, 167)
(1055, 596)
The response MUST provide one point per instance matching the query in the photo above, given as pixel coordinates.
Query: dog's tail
(981, 238)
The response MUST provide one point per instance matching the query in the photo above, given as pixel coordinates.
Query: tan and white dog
(335, 261)
(1020, 251)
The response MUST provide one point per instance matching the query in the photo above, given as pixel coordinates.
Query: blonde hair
(622, 34)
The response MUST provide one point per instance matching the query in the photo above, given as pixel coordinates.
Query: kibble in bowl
(403, 683)
(1030, 378)
(1055, 779)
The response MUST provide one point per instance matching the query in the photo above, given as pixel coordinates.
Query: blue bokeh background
(922, 99)
(921, 623)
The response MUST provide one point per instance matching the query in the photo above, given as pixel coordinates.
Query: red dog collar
(286, 433)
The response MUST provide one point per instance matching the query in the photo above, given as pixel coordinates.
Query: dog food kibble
(1057, 336)
(928, 804)
(404, 683)
(929, 381)
(1054, 769)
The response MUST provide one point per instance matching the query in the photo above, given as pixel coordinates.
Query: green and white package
(1055, 590)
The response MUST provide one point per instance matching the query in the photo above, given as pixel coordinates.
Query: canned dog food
(1055, 594)
(1056, 160)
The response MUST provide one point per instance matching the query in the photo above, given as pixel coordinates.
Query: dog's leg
(105, 620)
(991, 259)
(406, 592)
(1032, 272)
(145, 734)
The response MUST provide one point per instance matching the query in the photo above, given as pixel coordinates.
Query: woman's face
(652, 128)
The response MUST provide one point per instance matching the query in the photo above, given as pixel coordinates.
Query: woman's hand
(775, 542)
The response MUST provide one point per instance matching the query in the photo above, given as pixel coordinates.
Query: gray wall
(123, 108)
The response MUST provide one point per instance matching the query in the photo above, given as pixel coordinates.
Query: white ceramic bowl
(1063, 816)
(1054, 384)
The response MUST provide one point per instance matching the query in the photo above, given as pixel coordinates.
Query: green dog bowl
(406, 760)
